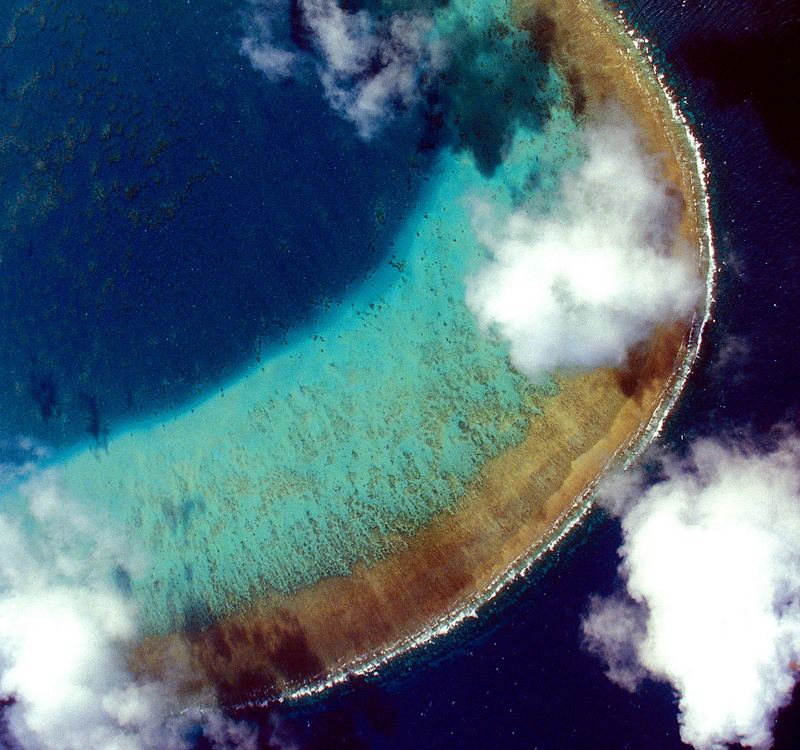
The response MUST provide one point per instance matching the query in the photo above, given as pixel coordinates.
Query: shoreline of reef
(287, 642)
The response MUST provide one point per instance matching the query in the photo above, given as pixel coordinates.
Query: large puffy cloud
(711, 564)
(581, 285)
(66, 621)
(369, 68)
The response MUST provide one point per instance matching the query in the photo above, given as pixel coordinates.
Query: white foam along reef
(186, 434)
(281, 479)
(625, 456)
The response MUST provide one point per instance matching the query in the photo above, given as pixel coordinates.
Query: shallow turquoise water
(360, 427)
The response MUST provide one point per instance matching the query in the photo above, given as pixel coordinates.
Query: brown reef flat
(598, 59)
(524, 496)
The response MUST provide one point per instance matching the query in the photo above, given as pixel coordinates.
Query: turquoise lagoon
(352, 433)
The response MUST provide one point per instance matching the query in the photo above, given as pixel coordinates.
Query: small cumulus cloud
(65, 626)
(711, 566)
(259, 47)
(369, 68)
(579, 286)
(266, 38)
(19, 458)
(731, 357)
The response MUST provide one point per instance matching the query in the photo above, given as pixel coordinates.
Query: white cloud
(64, 632)
(578, 287)
(259, 46)
(614, 630)
(711, 562)
(368, 67)
(274, 62)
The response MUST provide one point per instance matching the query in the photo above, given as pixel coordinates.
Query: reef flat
(343, 442)
(362, 465)
(525, 496)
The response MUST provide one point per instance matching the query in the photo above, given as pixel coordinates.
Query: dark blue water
(165, 211)
(519, 678)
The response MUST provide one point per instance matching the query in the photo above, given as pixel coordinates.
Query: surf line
(623, 457)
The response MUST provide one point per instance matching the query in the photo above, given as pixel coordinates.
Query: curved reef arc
(529, 496)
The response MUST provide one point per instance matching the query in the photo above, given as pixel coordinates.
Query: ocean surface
(153, 277)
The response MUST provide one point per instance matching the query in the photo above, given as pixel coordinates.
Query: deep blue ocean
(518, 678)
